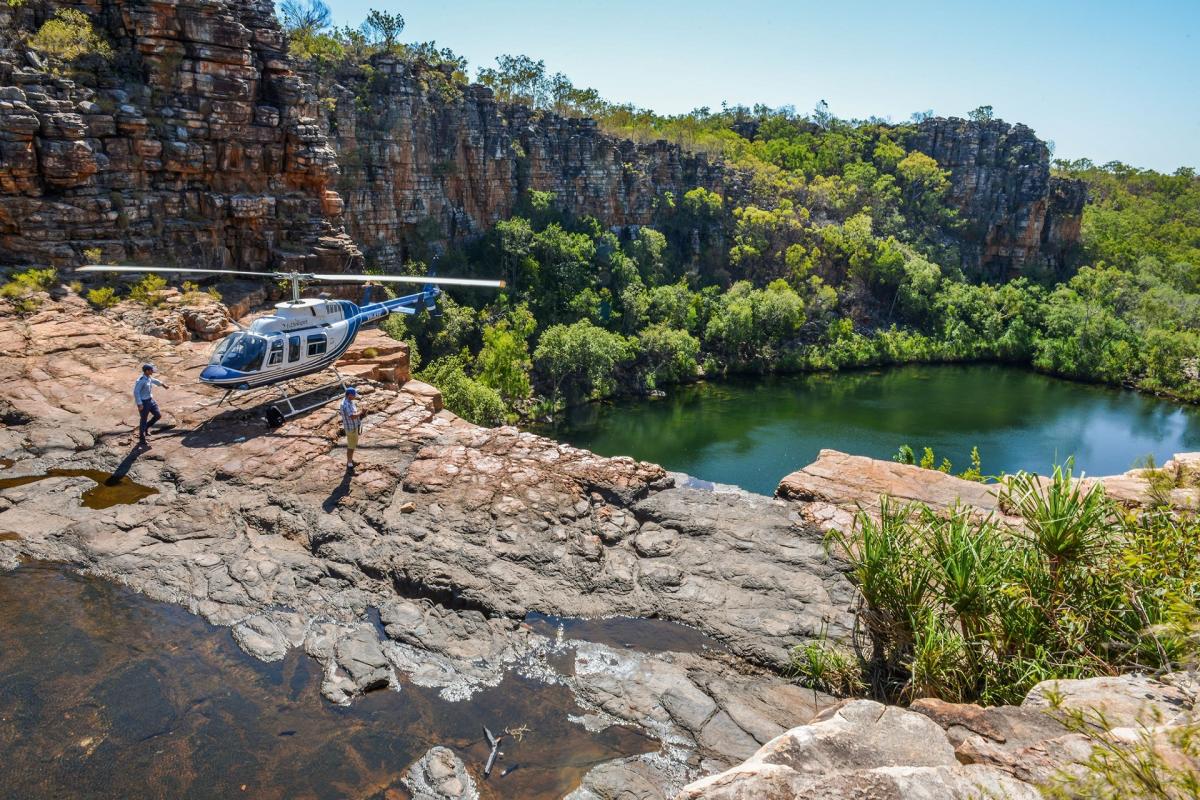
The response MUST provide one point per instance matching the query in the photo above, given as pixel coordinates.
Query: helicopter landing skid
(276, 415)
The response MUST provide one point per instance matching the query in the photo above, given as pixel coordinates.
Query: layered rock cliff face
(195, 143)
(417, 162)
(1018, 218)
(198, 143)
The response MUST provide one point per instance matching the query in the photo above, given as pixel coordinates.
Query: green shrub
(395, 327)
(961, 608)
(148, 291)
(92, 255)
(192, 293)
(825, 667)
(34, 280)
(1154, 765)
(23, 288)
(103, 297)
(462, 394)
(67, 36)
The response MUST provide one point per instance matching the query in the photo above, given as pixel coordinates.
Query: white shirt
(141, 389)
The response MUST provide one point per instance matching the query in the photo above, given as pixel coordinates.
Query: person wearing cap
(147, 409)
(351, 423)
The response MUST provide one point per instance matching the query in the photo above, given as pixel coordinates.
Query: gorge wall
(416, 163)
(195, 144)
(1018, 218)
(200, 143)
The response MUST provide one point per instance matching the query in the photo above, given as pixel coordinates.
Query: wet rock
(440, 775)
(262, 531)
(261, 638)
(363, 659)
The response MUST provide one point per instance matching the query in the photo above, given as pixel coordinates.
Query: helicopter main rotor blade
(303, 276)
(183, 270)
(422, 279)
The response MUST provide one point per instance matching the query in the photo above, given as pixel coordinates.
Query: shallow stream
(107, 694)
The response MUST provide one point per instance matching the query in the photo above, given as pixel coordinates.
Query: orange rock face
(410, 157)
(196, 144)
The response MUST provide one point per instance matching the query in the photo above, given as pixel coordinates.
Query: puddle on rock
(9, 536)
(631, 633)
(108, 694)
(109, 490)
(5, 463)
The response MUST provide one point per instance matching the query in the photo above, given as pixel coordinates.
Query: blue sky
(1102, 79)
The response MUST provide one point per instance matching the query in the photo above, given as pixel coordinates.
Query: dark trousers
(149, 415)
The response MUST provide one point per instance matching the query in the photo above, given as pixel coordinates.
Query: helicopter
(303, 335)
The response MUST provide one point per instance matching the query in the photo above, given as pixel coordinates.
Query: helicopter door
(293, 349)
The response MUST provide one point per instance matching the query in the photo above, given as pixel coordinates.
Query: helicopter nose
(214, 374)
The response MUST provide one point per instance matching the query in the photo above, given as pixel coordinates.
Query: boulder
(440, 775)
(1123, 701)
(858, 749)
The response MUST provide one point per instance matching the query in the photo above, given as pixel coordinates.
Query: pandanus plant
(1063, 520)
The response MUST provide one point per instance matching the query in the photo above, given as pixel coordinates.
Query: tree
(980, 114)
(465, 396)
(518, 79)
(383, 28)
(580, 359)
(503, 363)
(648, 249)
(668, 354)
(305, 16)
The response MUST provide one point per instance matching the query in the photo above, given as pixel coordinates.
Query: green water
(751, 434)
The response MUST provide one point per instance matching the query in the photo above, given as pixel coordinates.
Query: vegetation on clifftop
(842, 250)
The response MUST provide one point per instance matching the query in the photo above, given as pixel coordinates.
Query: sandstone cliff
(195, 143)
(200, 143)
(417, 162)
(1018, 218)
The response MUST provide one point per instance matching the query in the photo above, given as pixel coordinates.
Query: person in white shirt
(148, 412)
(351, 423)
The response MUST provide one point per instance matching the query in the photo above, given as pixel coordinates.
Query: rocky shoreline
(452, 534)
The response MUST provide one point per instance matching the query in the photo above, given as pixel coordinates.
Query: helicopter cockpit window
(276, 356)
(242, 351)
(317, 344)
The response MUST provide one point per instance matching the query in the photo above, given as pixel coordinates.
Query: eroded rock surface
(451, 532)
(440, 775)
(950, 750)
(831, 490)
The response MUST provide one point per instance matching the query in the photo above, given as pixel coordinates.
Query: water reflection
(752, 433)
(111, 489)
(104, 693)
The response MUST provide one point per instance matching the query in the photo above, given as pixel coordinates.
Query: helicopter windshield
(242, 351)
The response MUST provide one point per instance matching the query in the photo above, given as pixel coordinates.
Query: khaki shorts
(351, 440)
